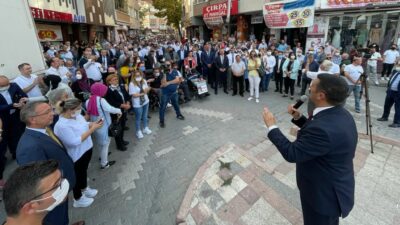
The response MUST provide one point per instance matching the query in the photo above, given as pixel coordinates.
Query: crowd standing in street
(90, 89)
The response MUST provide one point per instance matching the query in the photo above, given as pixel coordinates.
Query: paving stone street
(149, 182)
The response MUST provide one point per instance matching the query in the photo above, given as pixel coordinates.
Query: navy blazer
(221, 65)
(323, 153)
(389, 83)
(207, 59)
(16, 93)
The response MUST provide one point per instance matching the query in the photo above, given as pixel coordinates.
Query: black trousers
(247, 83)
(279, 82)
(238, 80)
(81, 167)
(305, 81)
(311, 217)
(119, 139)
(299, 79)
(387, 69)
(289, 84)
(392, 98)
(220, 79)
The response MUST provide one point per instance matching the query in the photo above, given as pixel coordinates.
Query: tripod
(364, 85)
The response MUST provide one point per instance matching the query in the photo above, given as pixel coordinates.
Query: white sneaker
(376, 83)
(257, 101)
(251, 98)
(90, 192)
(83, 202)
(147, 131)
(382, 78)
(169, 105)
(386, 78)
(139, 134)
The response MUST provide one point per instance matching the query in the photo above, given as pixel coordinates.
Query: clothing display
(374, 35)
(388, 39)
(362, 37)
(336, 38)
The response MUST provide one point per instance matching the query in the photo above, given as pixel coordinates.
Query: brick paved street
(149, 181)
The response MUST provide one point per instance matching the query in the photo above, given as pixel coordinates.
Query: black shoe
(276, 90)
(126, 128)
(394, 125)
(162, 124)
(216, 93)
(148, 116)
(125, 143)
(382, 119)
(122, 148)
(110, 163)
(234, 94)
(226, 92)
(242, 95)
(207, 94)
(180, 117)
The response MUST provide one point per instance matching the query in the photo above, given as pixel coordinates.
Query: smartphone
(100, 120)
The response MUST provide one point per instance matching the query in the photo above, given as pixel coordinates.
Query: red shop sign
(220, 9)
(45, 14)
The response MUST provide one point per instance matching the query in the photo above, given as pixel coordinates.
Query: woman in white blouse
(74, 132)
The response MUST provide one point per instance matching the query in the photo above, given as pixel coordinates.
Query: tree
(171, 10)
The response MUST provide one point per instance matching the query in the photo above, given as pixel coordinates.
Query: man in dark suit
(182, 53)
(151, 61)
(278, 71)
(222, 64)
(12, 98)
(105, 61)
(207, 60)
(323, 152)
(40, 143)
(393, 97)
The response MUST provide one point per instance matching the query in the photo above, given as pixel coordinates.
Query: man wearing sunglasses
(32, 191)
(40, 143)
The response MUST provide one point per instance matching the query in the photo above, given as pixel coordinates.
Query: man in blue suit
(207, 60)
(393, 97)
(323, 152)
(40, 143)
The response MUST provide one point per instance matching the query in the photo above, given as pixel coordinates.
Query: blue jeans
(357, 96)
(141, 114)
(165, 98)
(265, 81)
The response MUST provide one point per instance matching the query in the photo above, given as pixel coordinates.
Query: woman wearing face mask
(74, 132)
(81, 87)
(254, 64)
(290, 71)
(99, 109)
(138, 89)
(118, 97)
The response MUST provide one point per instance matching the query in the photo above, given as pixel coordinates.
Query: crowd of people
(84, 98)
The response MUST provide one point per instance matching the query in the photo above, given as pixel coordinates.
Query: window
(199, 1)
(121, 5)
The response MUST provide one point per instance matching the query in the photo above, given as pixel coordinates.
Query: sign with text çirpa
(289, 14)
(212, 14)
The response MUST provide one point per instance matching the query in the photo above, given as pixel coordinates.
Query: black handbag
(115, 127)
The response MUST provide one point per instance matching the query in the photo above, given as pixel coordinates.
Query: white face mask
(58, 195)
(269, 53)
(79, 76)
(5, 88)
(157, 74)
(292, 57)
(138, 79)
(337, 53)
(114, 85)
(77, 113)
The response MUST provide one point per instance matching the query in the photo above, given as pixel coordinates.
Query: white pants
(254, 85)
(103, 150)
(371, 72)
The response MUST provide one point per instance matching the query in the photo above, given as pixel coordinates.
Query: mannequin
(362, 35)
(375, 34)
(388, 39)
(336, 38)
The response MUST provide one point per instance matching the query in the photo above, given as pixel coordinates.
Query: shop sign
(257, 19)
(220, 9)
(79, 19)
(340, 4)
(316, 32)
(293, 14)
(45, 14)
(213, 21)
(49, 32)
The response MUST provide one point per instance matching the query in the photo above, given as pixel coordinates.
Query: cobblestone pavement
(149, 181)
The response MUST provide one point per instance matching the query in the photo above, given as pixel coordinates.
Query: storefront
(96, 20)
(356, 26)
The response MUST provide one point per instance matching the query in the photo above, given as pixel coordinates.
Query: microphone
(300, 101)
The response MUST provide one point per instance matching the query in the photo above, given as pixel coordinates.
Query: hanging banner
(212, 14)
(49, 32)
(213, 22)
(292, 14)
(340, 4)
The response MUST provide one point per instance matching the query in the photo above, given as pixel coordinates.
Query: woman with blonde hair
(254, 64)
(138, 90)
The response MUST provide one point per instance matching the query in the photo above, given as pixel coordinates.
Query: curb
(187, 200)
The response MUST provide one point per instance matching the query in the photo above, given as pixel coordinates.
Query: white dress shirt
(69, 131)
(24, 82)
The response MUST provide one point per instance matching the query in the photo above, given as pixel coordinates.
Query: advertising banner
(49, 32)
(316, 32)
(212, 14)
(340, 4)
(293, 14)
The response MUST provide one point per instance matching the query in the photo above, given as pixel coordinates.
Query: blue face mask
(280, 56)
(142, 68)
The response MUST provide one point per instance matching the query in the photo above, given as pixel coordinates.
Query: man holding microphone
(323, 152)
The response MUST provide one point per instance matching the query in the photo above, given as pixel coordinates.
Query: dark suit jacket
(185, 53)
(108, 59)
(207, 59)
(323, 153)
(280, 66)
(389, 83)
(221, 65)
(115, 99)
(16, 93)
(35, 146)
(149, 62)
